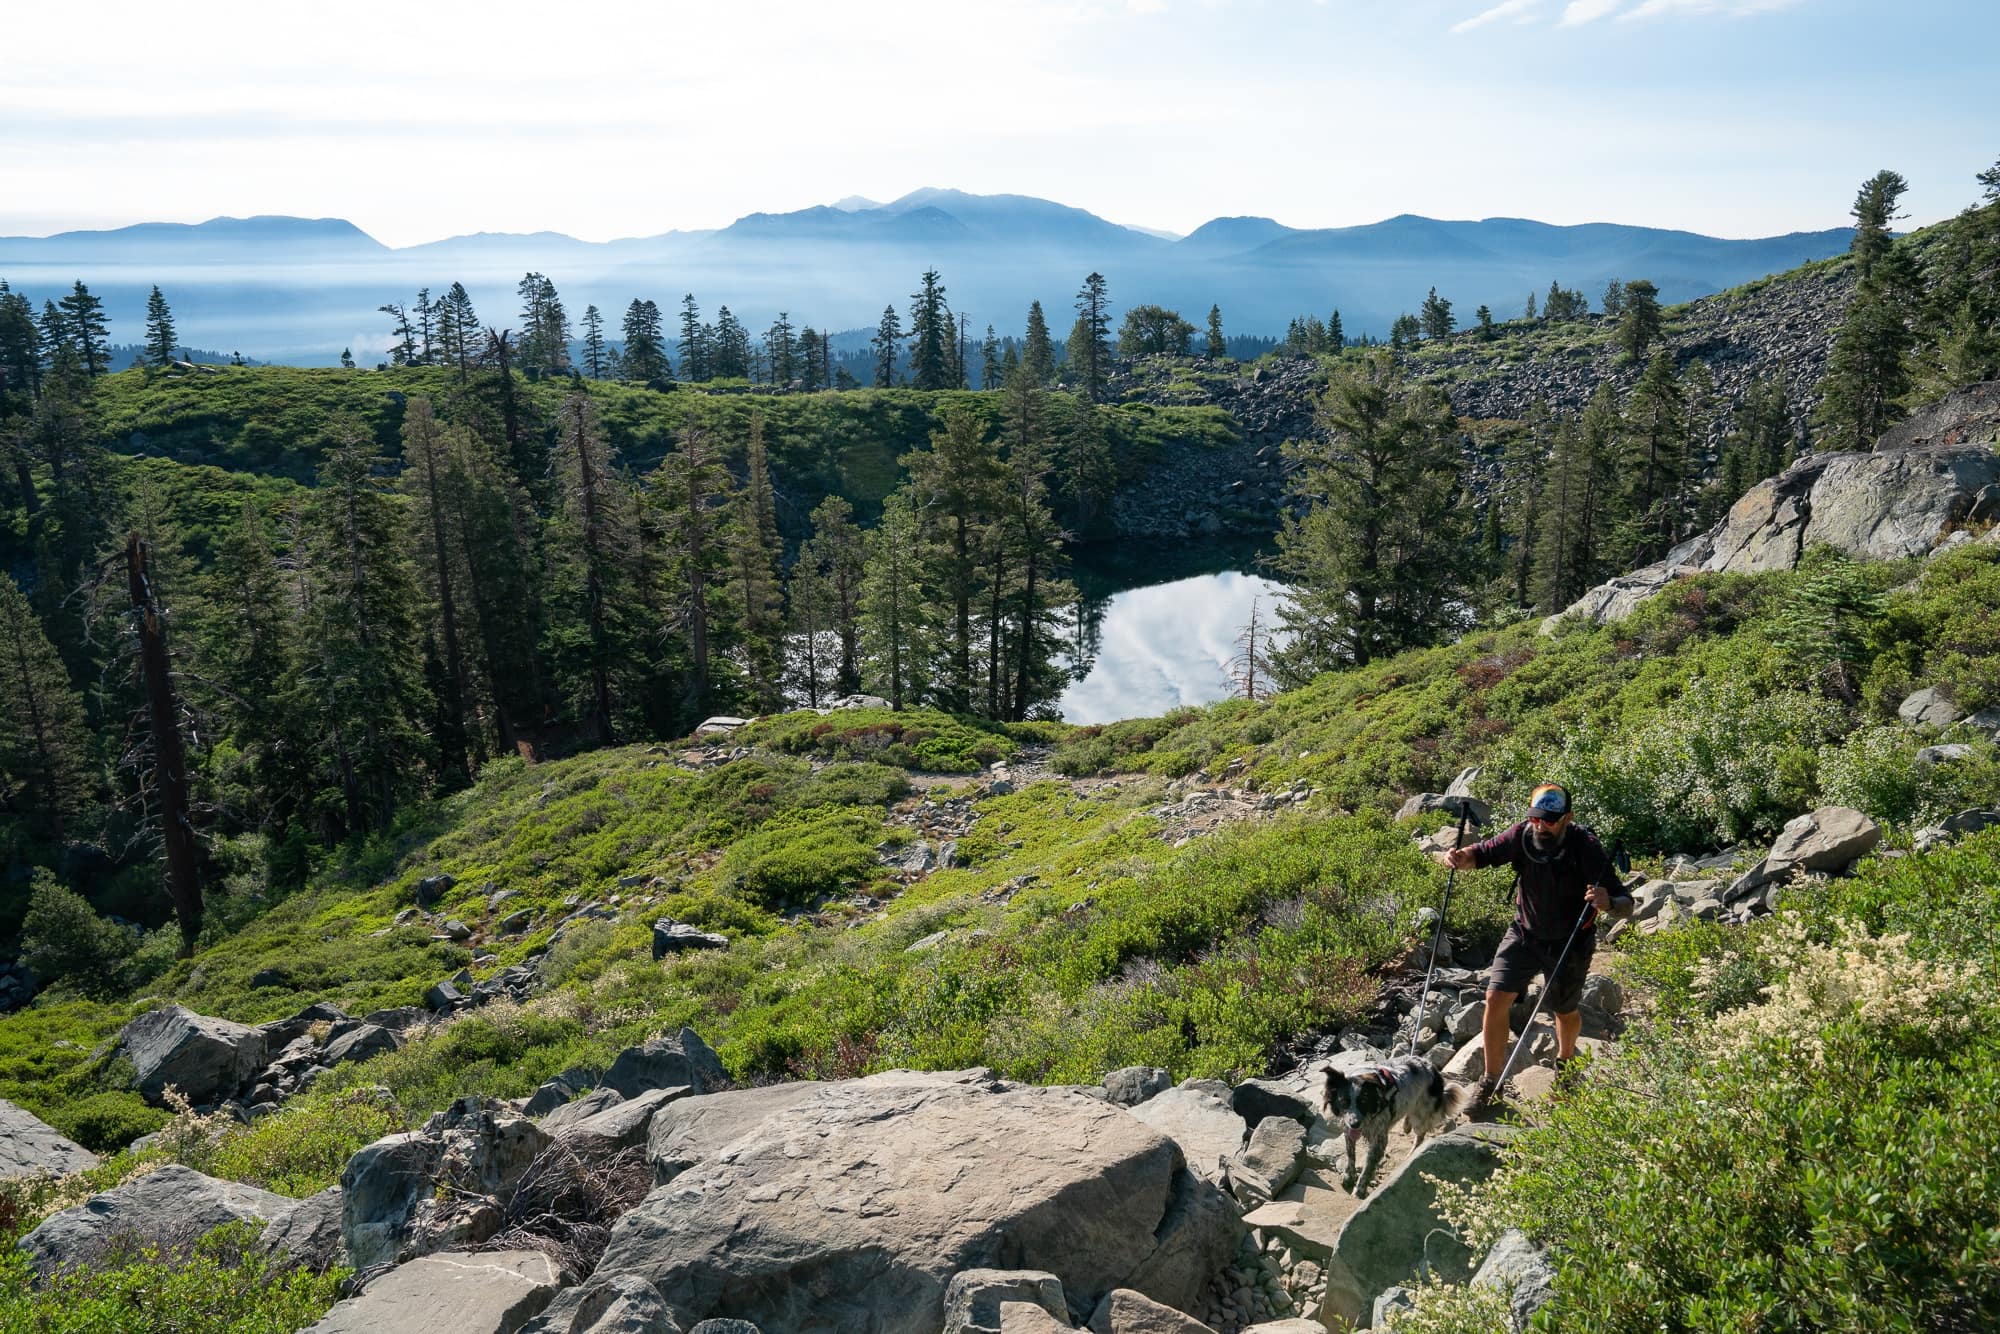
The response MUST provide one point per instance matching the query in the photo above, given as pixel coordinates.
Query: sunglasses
(1548, 821)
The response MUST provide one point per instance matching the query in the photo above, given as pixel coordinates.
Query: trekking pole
(1541, 1000)
(1437, 934)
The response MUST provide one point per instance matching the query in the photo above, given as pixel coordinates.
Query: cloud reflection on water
(1167, 645)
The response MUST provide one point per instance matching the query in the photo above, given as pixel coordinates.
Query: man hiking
(1563, 880)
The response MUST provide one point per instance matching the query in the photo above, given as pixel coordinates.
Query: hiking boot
(1485, 1098)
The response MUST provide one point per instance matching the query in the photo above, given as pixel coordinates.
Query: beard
(1543, 840)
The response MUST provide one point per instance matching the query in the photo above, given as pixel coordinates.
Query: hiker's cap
(1549, 802)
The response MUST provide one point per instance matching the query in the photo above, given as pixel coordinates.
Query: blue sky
(619, 118)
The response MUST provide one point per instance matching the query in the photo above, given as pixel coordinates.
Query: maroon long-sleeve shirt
(1552, 888)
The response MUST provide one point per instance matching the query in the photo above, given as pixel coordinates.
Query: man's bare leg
(1568, 1026)
(1494, 1030)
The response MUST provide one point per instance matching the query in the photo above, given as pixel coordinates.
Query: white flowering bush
(1721, 763)
(1875, 769)
(1824, 1157)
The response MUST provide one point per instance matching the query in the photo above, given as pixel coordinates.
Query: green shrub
(1721, 763)
(1875, 769)
(104, 1122)
(223, 1285)
(1823, 1158)
(302, 1149)
(64, 940)
(797, 861)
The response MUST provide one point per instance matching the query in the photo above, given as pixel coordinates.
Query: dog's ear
(1336, 1085)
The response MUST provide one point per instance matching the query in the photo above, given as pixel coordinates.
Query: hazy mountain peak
(856, 204)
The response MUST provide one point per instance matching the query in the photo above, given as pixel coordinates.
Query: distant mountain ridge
(301, 289)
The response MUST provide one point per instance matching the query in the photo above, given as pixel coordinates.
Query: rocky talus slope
(651, 1196)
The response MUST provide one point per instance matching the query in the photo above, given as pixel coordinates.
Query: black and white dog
(1370, 1103)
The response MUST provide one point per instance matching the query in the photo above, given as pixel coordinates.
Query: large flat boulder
(1201, 1121)
(972, 1300)
(207, 1059)
(694, 1130)
(622, 1126)
(308, 1233)
(170, 1206)
(854, 1209)
(455, 1292)
(1388, 1240)
(29, 1145)
(679, 1060)
(380, 1189)
(1823, 840)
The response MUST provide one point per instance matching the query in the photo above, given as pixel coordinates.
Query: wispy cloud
(1522, 11)
(1586, 11)
(1729, 8)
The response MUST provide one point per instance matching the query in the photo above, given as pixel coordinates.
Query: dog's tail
(1457, 1098)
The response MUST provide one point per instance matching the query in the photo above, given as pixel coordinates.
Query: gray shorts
(1521, 958)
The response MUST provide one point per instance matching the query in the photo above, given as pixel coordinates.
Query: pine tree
(894, 609)
(954, 487)
(1089, 474)
(494, 523)
(1038, 350)
(159, 329)
(888, 336)
(1523, 470)
(1250, 670)
(244, 645)
(427, 473)
(809, 618)
(781, 350)
(45, 764)
(1654, 466)
(347, 359)
(1436, 316)
(930, 348)
(838, 547)
(1875, 207)
(1090, 345)
(989, 360)
(812, 378)
(593, 342)
(1336, 336)
(1529, 311)
(1377, 561)
(645, 345)
(1640, 324)
(1575, 496)
(1614, 299)
(1218, 347)
(591, 579)
(755, 551)
(1037, 597)
(458, 329)
(694, 345)
(83, 319)
(688, 487)
(357, 692)
(729, 348)
(404, 349)
(168, 784)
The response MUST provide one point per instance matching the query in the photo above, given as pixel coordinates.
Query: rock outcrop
(493, 1292)
(170, 1207)
(856, 1206)
(28, 1145)
(1888, 505)
(207, 1059)
(1399, 1229)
